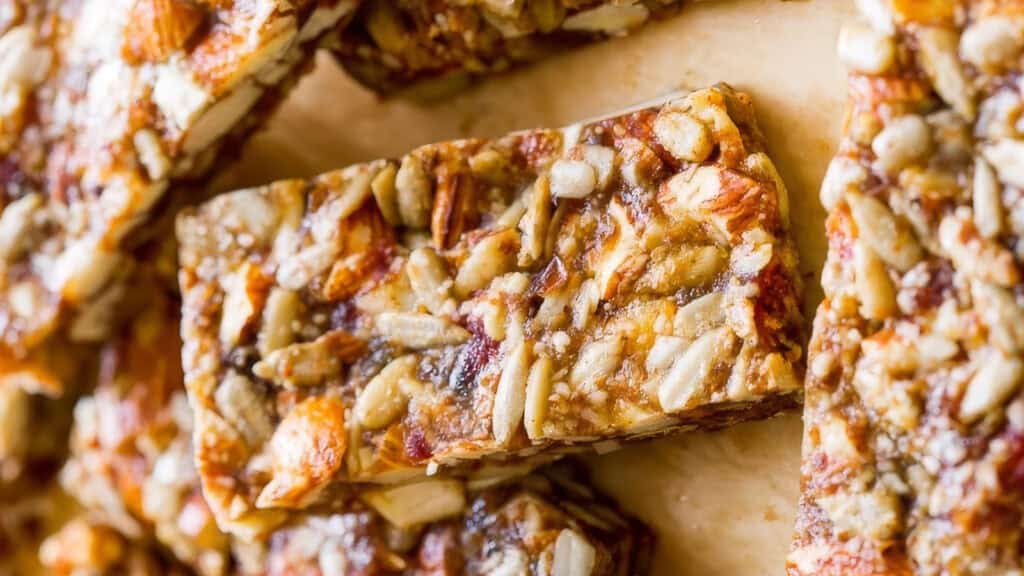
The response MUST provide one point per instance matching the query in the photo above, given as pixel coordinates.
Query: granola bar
(437, 46)
(131, 469)
(914, 415)
(493, 300)
(105, 104)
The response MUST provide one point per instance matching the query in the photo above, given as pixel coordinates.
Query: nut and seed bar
(493, 300)
(131, 468)
(914, 417)
(435, 47)
(106, 103)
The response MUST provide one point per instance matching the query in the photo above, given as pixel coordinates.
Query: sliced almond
(489, 258)
(429, 278)
(573, 555)
(415, 504)
(688, 378)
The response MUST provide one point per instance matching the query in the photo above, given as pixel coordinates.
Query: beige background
(722, 503)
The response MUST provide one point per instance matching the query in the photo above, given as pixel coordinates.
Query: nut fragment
(904, 141)
(310, 363)
(573, 556)
(988, 204)
(865, 50)
(510, 396)
(489, 258)
(608, 18)
(419, 503)
(386, 194)
(875, 289)
(240, 303)
(688, 376)
(383, 400)
(535, 223)
(997, 378)
(1007, 157)
(282, 308)
(419, 331)
(306, 450)
(242, 405)
(572, 179)
(538, 389)
(683, 135)
(888, 236)
(939, 52)
(429, 279)
(157, 28)
(414, 189)
(993, 42)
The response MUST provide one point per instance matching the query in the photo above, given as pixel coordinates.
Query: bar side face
(106, 104)
(433, 48)
(483, 303)
(913, 409)
(131, 470)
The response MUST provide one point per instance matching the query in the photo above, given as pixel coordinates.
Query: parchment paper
(722, 503)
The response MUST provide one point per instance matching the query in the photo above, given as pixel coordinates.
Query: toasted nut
(573, 556)
(383, 400)
(602, 159)
(874, 288)
(977, 257)
(419, 331)
(843, 174)
(572, 179)
(243, 406)
(688, 376)
(429, 279)
(298, 270)
(151, 154)
(535, 223)
(414, 190)
(700, 315)
(489, 258)
(888, 236)
(1007, 157)
(597, 360)
(992, 43)
(996, 379)
(873, 514)
(939, 57)
(865, 50)
(414, 504)
(15, 222)
(510, 396)
(588, 296)
(664, 352)
(988, 203)
(241, 302)
(1000, 312)
(306, 450)
(281, 310)
(683, 135)
(670, 269)
(386, 195)
(538, 390)
(904, 141)
(310, 363)
(326, 224)
(608, 18)
(158, 28)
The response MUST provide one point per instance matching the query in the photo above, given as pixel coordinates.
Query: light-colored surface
(722, 503)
